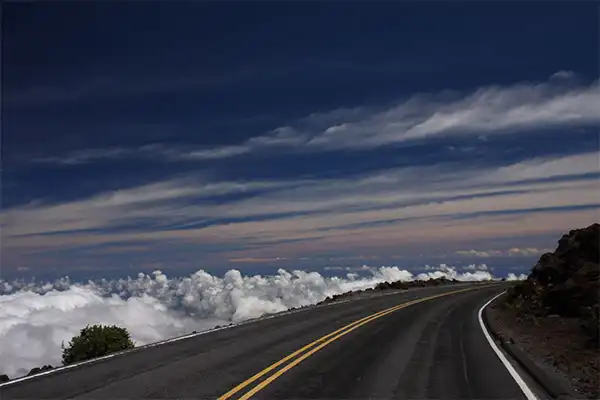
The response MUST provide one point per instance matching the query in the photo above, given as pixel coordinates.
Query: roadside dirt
(556, 344)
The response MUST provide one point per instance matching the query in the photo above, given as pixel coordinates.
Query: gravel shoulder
(555, 344)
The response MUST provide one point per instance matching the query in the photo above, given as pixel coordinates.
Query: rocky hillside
(565, 283)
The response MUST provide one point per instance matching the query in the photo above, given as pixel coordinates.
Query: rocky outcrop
(37, 370)
(33, 371)
(407, 285)
(566, 282)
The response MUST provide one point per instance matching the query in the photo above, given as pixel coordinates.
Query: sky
(315, 135)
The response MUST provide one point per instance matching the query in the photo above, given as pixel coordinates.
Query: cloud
(149, 151)
(87, 156)
(114, 207)
(519, 108)
(399, 206)
(36, 317)
(530, 251)
(473, 267)
(449, 272)
(487, 110)
(473, 253)
(32, 326)
(515, 251)
(210, 154)
(512, 277)
(549, 167)
(350, 269)
(563, 75)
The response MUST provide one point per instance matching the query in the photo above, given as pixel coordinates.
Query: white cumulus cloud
(474, 267)
(448, 272)
(513, 277)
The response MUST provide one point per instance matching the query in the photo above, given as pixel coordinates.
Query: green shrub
(96, 341)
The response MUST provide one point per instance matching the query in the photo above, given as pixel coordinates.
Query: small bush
(96, 341)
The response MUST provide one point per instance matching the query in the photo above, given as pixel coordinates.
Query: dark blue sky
(187, 135)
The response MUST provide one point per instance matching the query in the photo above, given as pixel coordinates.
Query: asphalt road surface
(431, 348)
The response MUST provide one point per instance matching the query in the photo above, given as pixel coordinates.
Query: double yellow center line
(315, 346)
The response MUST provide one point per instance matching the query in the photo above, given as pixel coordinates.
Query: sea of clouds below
(36, 317)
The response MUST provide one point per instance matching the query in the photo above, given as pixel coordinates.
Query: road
(432, 349)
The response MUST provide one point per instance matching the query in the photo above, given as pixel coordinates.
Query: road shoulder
(536, 353)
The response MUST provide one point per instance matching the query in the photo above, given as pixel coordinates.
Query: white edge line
(511, 370)
(191, 335)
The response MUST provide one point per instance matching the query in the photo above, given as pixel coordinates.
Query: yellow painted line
(295, 353)
(328, 339)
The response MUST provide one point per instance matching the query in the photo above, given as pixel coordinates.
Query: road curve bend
(423, 343)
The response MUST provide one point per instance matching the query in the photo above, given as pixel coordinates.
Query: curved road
(432, 348)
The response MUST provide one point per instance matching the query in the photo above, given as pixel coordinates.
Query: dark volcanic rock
(37, 370)
(545, 313)
(565, 282)
(399, 285)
